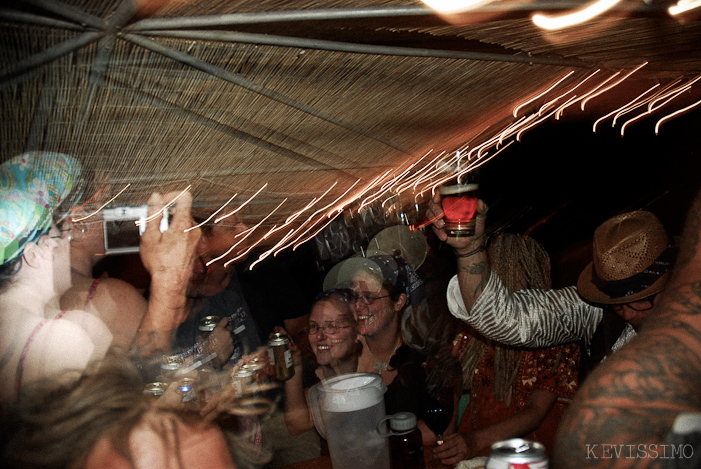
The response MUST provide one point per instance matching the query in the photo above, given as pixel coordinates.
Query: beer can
(172, 362)
(187, 390)
(155, 389)
(208, 323)
(280, 355)
(242, 381)
(517, 453)
(259, 369)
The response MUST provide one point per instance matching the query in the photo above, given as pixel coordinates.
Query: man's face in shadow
(209, 276)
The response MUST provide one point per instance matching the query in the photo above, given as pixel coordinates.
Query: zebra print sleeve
(528, 318)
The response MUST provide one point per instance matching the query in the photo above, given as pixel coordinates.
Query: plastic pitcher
(347, 411)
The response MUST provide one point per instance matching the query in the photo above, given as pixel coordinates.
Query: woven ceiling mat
(273, 106)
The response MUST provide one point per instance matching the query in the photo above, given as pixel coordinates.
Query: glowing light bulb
(683, 5)
(576, 17)
(452, 6)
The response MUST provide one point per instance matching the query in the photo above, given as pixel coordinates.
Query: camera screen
(121, 236)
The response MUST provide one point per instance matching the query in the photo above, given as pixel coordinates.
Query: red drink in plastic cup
(460, 208)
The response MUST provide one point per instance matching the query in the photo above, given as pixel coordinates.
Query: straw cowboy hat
(633, 257)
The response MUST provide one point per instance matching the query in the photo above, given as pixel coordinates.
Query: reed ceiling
(302, 104)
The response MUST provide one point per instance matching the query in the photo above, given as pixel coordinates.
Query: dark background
(563, 180)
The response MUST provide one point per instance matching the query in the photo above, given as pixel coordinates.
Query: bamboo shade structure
(302, 103)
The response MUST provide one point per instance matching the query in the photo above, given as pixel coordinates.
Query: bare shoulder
(59, 346)
(122, 292)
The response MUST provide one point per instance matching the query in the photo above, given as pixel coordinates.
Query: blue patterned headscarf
(32, 186)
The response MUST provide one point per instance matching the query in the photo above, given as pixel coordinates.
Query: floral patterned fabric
(554, 370)
(32, 186)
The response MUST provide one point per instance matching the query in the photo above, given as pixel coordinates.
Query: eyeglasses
(368, 300)
(330, 328)
(63, 234)
(640, 305)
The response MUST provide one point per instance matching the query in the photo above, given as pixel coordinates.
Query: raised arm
(168, 257)
(625, 409)
(470, 251)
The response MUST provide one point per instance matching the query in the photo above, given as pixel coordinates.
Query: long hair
(520, 263)
(56, 423)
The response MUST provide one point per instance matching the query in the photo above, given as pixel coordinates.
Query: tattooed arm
(470, 251)
(529, 318)
(622, 414)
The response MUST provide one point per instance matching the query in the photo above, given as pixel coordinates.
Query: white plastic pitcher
(347, 411)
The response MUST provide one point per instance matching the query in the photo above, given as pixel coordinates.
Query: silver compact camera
(123, 227)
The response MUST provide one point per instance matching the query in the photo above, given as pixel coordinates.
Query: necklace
(381, 365)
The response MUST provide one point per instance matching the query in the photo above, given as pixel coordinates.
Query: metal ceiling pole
(29, 18)
(46, 56)
(319, 44)
(279, 16)
(41, 114)
(372, 12)
(69, 12)
(226, 129)
(254, 87)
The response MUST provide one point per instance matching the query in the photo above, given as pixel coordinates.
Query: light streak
(484, 160)
(683, 6)
(674, 114)
(571, 101)
(517, 108)
(561, 109)
(212, 215)
(371, 198)
(269, 251)
(643, 102)
(242, 205)
(601, 119)
(596, 93)
(299, 243)
(74, 220)
(669, 97)
(250, 231)
(158, 213)
(576, 17)
(322, 209)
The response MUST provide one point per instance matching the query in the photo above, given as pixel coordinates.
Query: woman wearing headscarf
(37, 339)
(386, 287)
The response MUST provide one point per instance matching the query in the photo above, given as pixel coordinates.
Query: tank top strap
(25, 351)
(91, 294)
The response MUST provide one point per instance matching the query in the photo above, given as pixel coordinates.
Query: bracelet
(469, 254)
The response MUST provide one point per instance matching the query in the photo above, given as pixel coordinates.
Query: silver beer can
(517, 453)
(209, 323)
(280, 356)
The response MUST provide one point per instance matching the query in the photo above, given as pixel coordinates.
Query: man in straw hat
(631, 264)
(642, 406)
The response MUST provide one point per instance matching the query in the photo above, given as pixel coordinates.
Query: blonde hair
(57, 423)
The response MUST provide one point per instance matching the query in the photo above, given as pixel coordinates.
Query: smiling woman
(333, 338)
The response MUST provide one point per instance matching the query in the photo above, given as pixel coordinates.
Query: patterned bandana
(32, 186)
(397, 271)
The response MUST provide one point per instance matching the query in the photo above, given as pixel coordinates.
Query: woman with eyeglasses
(39, 340)
(35, 271)
(333, 338)
(386, 287)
